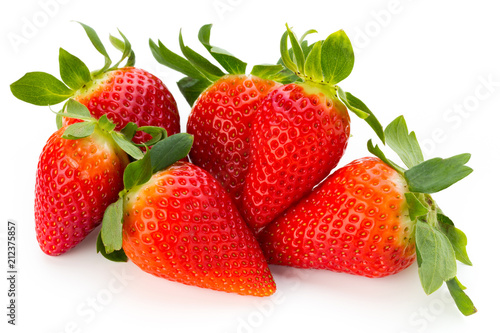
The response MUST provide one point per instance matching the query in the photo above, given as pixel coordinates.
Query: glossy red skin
(132, 95)
(356, 222)
(183, 226)
(220, 122)
(298, 139)
(76, 180)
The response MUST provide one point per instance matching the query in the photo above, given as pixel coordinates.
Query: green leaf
(380, 154)
(112, 225)
(123, 46)
(285, 54)
(76, 108)
(312, 67)
(129, 131)
(116, 256)
(170, 150)
(463, 302)
(297, 51)
(415, 207)
(126, 145)
(79, 130)
(456, 237)
(209, 70)
(268, 72)
(437, 174)
(404, 144)
(170, 59)
(105, 124)
(73, 71)
(40, 88)
(437, 259)
(191, 88)
(361, 110)
(307, 33)
(337, 57)
(138, 172)
(229, 62)
(96, 41)
(157, 134)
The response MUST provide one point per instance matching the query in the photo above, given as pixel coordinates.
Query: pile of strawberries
(250, 183)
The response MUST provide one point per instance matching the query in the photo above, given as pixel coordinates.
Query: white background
(436, 62)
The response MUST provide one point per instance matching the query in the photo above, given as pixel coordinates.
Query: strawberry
(125, 94)
(80, 172)
(301, 128)
(356, 221)
(179, 224)
(224, 106)
(373, 218)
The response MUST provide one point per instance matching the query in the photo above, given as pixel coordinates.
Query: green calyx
(439, 244)
(163, 154)
(43, 89)
(326, 63)
(200, 72)
(123, 139)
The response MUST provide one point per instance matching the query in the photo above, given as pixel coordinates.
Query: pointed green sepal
(40, 88)
(298, 54)
(191, 88)
(228, 61)
(437, 174)
(112, 224)
(170, 150)
(116, 256)
(79, 130)
(73, 71)
(125, 47)
(174, 61)
(96, 41)
(375, 150)
(463, 302)
(312, 67)
(404, 144)
(456, 237)
(337, 57)
(209, 70)
(362, 111)
(127, 146)
(436, 262)
(138, 172)
(415, 207)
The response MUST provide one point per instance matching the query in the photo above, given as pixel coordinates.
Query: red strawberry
(131, 95)
(125, 94)
(301, 129)
(356, 221)
(76, 180)
(221, 122)
(224, 107)
(374, 218)
(182, 226)
(179, 224)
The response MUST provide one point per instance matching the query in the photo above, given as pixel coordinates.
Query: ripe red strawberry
(374, 218)
(356, 221)
(221, 122)
(179, 224)
(301, 129)
(76, 180)
(223, 108)
(131, 94)
(125, 94)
